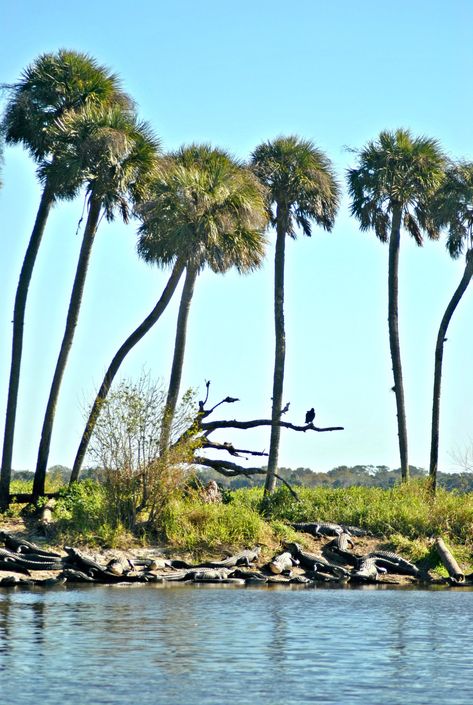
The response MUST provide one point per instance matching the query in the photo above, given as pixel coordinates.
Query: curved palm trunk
(454, 301)
(393, 316)
(280, 352)
(123, 351)
(47, 199)
(72, 316)
(178, 359)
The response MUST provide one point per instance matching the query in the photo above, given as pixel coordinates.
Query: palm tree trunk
(47, 199)
(454, 301)
(123, 351)
(178, 359)
(72, 317)
(393, 318)
(280, 351)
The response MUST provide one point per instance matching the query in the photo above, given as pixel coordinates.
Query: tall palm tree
(210, 211)
(117, 154)
(117, 360)
(454, 210)
(55, 84)
(391, 188)
(301, 188)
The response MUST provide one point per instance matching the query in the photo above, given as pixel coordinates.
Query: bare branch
(225, 467)
(211, 426)
(203, 403)
(229, 448)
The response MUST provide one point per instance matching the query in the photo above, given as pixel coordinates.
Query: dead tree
(202, 429)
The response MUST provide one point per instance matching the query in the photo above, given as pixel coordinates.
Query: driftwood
(448, 561)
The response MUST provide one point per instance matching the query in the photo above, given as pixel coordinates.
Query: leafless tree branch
(225, 467)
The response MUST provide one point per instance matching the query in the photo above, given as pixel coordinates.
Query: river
(180, 645)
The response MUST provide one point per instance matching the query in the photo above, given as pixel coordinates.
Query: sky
(235, 75)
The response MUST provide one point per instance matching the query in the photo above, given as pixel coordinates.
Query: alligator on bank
(296, 566)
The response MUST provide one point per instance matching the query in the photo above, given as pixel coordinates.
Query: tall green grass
(407, 509)
(406, 516)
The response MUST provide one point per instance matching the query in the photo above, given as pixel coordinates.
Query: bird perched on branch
(310, 416)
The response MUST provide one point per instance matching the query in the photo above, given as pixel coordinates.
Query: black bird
(310, 416)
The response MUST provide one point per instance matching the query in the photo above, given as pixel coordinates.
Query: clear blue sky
(236, 74)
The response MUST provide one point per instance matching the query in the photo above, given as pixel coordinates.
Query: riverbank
(404, 520)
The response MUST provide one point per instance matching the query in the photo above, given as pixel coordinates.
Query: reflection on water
(182, 645)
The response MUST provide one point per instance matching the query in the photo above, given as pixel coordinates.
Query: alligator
(249, 575)
(76, 559)
(6, 564)
(23, 561)
(120, 566)
(282, 563)
(246, 558)
(368, 570)
(209, 575)
(394, 563)
(24, 546)
(318, 528)
(76, 576)
(314, 562)
(355, 530)
(341, 547)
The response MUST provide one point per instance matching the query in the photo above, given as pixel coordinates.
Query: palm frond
(397, 170)
(207, 209)
(300, 180)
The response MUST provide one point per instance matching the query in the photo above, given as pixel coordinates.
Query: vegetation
(404, 518)
(453, 209)
(116, 154)
(206, 210)
(301, 188)
(199, 207)
(392, 187)
(54, 86)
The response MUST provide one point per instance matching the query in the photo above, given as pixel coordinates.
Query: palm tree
(301, 188)
(117, 154)
(454, 210)
(117, 360)
(210, 211)
(391, 188)
(55, 84)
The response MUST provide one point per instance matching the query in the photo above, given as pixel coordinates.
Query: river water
(239, 646)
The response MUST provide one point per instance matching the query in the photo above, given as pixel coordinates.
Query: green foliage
(138, 481)
(206, 209)
(407, 509)
(189, 524)
(397, 169)
(300, 180)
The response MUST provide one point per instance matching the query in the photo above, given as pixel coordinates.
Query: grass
(405, 518)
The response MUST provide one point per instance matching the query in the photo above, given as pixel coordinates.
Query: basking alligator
(24, 546)
(368, 570)
(394, 563)
(318, 528)
(25, 561)
(341, 547)
(315, 563)
(282, 563)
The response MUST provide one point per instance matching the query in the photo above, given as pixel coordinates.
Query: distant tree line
(341, 476)
(344, 476)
